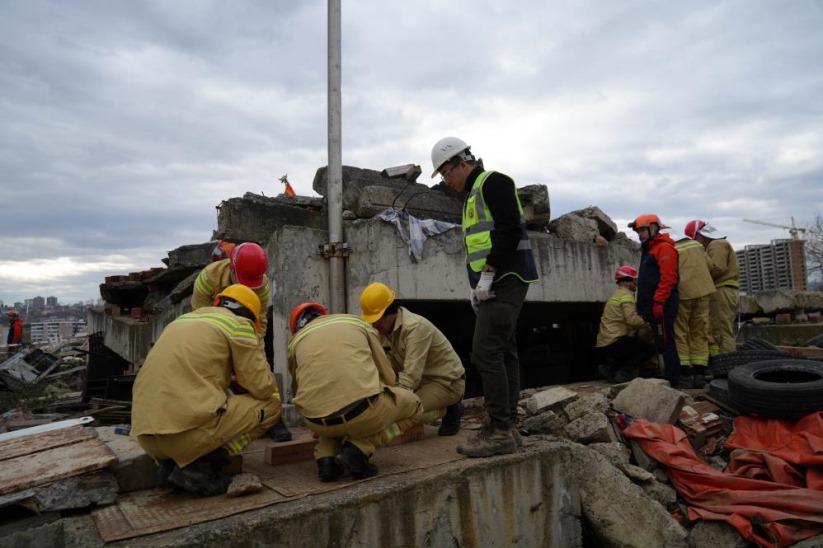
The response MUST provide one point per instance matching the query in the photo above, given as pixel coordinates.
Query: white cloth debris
(418, 230)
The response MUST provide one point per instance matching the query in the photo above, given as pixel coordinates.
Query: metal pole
(334, 195)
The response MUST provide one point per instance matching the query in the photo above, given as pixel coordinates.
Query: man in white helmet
(725, 271)
(500, 266)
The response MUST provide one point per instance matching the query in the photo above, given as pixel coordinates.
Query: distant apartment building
(56, 331)
(51, 302)
(779, 265)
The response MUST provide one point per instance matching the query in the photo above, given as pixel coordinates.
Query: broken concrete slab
(575, 228)
(253, 218)
(586, 403)
(603, 223)
(662, 493)
(719, 534)
(590, 428)
(66, 494)
(135, 470)
(643, 399)
(773, 301)
(423, 204)
(616, 453)
(547, 422)
(244, 484)
(556, 397)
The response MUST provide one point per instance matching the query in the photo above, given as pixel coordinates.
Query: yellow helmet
(242, 296)
(374, 300)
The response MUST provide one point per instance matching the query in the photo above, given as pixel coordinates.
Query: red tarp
(772, 491)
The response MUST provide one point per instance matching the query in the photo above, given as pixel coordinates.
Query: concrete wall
(569, 271)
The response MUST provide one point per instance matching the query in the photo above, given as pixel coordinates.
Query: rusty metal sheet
(26, 445)
(157, 510)
(43, 467)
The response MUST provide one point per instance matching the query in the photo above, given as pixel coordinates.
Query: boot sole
(507, 450)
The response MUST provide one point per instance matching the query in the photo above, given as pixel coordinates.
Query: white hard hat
(445, 149)
(711, 232)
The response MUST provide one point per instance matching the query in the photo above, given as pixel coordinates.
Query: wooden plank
(806, 351)
(27, 445)
(52, 464)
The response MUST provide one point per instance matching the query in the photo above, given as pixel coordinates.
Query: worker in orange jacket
(657, 295)
(14, 340)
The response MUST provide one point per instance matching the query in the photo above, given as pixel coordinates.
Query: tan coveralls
(336, 365)
(182, 408)
(425, 363)
(216, 277)
(725, 271)
(691, 329)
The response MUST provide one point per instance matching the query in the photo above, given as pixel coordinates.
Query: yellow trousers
(437, 394)
(393, 412)
(723, 314)
(691, 332)
(243, 420)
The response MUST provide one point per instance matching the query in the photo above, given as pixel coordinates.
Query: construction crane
(793, 230)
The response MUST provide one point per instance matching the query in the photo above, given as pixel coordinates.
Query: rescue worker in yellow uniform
(182, 408)
(343, 386)
(422, 357)
(691, 328)
(623, 340)
(725, 271)
(246, 265)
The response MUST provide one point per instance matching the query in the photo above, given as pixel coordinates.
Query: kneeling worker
(182, 408)
(618, 345)
(343, 385)
(421, 355)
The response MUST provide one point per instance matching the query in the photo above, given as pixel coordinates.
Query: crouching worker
(422, 356)
(619, 345)
(182, 409)
(343, 385)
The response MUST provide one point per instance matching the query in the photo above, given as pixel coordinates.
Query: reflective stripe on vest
(478, 224)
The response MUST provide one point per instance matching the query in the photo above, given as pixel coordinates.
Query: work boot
(200, 478)
(355, 462)
(279, 432)
(685, 379)
(164, 469)
(518, 439)
(607, 372)
(491, 440)
(328, 470)
(699, 379)
(450, 425)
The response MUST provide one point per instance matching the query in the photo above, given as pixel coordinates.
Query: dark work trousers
(627, 353)
(494, 349)
(664, 339)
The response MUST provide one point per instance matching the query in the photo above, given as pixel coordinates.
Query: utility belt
(347, 414)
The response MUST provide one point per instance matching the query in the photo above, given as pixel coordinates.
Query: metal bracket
(334, 249)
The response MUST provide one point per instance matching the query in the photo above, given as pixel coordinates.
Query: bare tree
(814, 250)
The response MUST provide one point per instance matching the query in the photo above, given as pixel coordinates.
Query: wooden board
(43, 467)
(26, 445)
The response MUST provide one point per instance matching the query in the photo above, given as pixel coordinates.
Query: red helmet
(693, 227)
(645, 220)
(624, 272)
(249, 264)
(303, 314)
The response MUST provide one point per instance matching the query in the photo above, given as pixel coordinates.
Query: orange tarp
(771, 490)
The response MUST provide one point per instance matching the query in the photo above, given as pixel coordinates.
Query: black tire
(720, 365)
(756, 343)
(785, 388)
(815, 341)
(719, 388)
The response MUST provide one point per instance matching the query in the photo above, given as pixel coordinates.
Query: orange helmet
(303, 314)
(624, 272)
(249, 264)
(645, 220)
(693, 227)
(12, 313)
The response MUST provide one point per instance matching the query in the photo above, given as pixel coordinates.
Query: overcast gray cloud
(126, 123)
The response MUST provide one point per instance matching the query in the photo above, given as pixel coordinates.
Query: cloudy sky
(124, 123)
